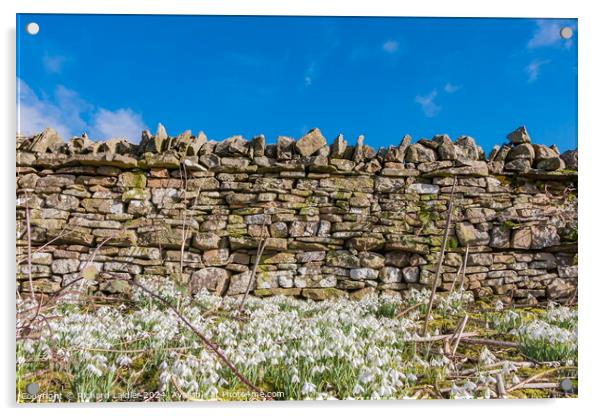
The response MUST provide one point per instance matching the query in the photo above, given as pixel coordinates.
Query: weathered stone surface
(411, 274)
(214, 279)
(342, 217)
(521, 151)
(217, 257)
(446, 149)
(48, 140)
(518, 165)
(559, 288)
(323, 294)
(390, 275)
(372, 260)
(337, 150)
(239, 283)
(205, 241)
(423, 188)
(550, 164)
(342, 258)
(466, 148)
(519, 136)
(500, 237)
(64, 266)
(284, 148)
(570, 158)
(363, 273)
(310, 143)
(468, 235)
(522, 238)
(418, 153)
(544, 236)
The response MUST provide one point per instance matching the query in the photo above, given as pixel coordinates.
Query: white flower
(92, 369)
(357, 390)
(308, 388)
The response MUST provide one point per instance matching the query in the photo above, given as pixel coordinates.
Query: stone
(64, 266)
(232, 146)
(446, 149)
(132, 180)
(388, 185)
(423, 188)
(544, 152)
(62, 202)
(149, 253)
(468, 235)
(418, 153)
(568, 271)
(310, 256)
(310, 143)
(258, 146)
(521, 238)
(559, 288)
(337, 150)
(390, 274)
(210, 161)
(411, 274)
(409, 243)
(205, 241)
(239, 283)
(521, 151)
(356, 184)
(372, 260)
(342, 258)
(130, 268)
(500, 237)
(284, 148)
(553, 163)
(570, 158)
(519, 136)
(397, 259)
(466, 148)
(365, 243)
(518, 165)
(323, 294)
(362, 293)
(48, 140)
(480, 259)
(363, 273)
(216, 257)
(214, 279)
(544, 236)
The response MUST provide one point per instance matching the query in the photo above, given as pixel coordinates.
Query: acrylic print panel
(288, 208)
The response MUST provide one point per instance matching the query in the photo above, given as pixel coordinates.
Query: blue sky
(381, 77)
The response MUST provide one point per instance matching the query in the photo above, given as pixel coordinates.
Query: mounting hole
(566, 32)
(32, 28)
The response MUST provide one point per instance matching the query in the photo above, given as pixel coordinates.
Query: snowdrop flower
(92, 369)
(357, 390)
(308, 388)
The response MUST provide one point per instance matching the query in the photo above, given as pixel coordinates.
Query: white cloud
(391, 46)
(451, 88)
(71, 115)
(547, 33)
(428, 105)
(53, 64)
(310, 74)
(34, 114)
(119, 123)
(534, 68)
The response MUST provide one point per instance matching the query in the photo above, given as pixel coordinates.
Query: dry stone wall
(338, 220)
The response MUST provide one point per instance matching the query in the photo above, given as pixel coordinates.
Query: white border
(590, 72)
